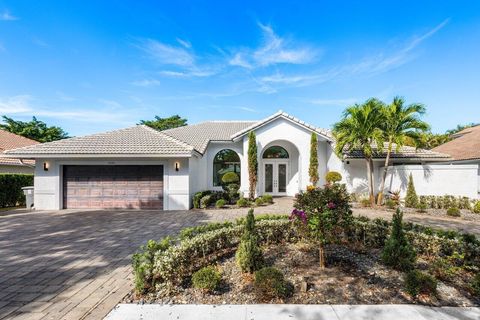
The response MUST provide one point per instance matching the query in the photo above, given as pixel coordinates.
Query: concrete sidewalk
(290, 312)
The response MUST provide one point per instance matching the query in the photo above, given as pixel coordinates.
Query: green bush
(230, 177)
(398, 253)
(249, 255)
(417, 282)
(259, 202)
(422, 207)
(447, 267)
(389, 203)
(143, 261)
(475, 285)
(365, 203)
(198, 196)
(11, 193)
(206, 201)
(270, 283)
(268, 198)
(411, 200)
(242, 203)
(453, 212)
(476, 207)
(333, 177)
(220, 203)
(207, 279)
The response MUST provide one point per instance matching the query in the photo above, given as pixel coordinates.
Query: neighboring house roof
(464, 146)
(405, 152)
(200, 135)
(135, 141)
(10, 140)
(280, 114)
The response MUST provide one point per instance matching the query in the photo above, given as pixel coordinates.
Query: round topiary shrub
(230, 177)
(270, 283)
(243, 203)
(476, 207)
(267, 198)
(417, 282)
(259, 202)
(333, 177)
(220, 203)
(207, 279)
(453, 212)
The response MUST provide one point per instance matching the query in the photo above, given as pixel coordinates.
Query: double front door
(275, 177)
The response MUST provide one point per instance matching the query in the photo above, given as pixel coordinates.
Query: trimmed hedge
(11, 193)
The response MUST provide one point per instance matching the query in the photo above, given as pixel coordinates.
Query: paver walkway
(290, 312)
(75, 264)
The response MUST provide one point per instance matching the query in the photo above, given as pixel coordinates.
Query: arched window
(275, 152)
(225, 160)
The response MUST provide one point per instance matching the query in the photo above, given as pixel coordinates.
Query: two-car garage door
(104, 186)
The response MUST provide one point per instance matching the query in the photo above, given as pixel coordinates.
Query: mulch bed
(351, 277)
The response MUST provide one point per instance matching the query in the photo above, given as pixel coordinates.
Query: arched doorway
(279, 166)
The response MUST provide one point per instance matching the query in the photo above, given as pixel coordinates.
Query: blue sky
(91, 66)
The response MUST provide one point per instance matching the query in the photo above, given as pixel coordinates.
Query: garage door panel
(136, 187)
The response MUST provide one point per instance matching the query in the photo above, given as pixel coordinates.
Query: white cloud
(184, 43)
(334, 102)
(146, 83)
(273, 50)
(167, 54)
(15, 104)
(7, 16)
(187, 73)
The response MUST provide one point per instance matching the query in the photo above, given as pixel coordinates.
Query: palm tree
(359, 129)
(400, 123)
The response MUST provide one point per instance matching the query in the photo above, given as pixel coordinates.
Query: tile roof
(464, 146)
(10, 140)
(280, 114)
(405, 152)
(138, 140)
(199, 135)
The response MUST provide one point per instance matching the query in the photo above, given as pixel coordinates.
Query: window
(225, 160)
(275, 152)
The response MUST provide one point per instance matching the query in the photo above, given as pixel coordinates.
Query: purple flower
(331, 205)
(298, 214)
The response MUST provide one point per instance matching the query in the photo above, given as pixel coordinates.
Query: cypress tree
(313, 168)
(411, 200)
(252, 164)
(249, 255)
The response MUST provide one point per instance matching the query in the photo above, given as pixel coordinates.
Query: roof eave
(96, 155)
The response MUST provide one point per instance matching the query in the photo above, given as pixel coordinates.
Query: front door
(275, 177)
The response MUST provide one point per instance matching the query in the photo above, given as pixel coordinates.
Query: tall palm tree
(400, 123)
(359, 129)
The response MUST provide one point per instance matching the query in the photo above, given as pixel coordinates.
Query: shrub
(417, 282)
(242, 203)
(422, 207)
(230, 177)
(389, 203)
(270, 283)
(207, 279)
(333, 177)
(313, 166)
(476, 207)
(143, 262)
(476, 285)
(365, 203)
(220, 203)
(398, 253)
(447, 267)
(267, 198)
(411, 199)
(259, 202)
(453, 212)
(11, 193)
(249, 256)
(205, 201)
(198, 196)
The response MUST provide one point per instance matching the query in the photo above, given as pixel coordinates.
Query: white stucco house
(140, 167)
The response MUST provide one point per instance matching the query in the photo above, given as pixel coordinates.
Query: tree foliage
(398, 252)
(411, 200)
(35, 129)
(313, 168)
(249, 255)
(160, 124)
(252, 164)
(360, 129)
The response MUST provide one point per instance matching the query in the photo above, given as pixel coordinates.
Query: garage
(113, 186)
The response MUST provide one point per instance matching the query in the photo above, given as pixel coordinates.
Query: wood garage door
(135, 187)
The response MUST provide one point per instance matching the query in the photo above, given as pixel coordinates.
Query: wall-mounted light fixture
(45, 166)
(177, 166)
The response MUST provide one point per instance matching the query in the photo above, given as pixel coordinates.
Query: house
(8, 141)
(140, 167)
(464, 148)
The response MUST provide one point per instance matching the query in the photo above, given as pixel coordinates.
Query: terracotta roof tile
(10, 140)
(464, 146)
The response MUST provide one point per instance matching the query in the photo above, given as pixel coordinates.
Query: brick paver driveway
(76, 264)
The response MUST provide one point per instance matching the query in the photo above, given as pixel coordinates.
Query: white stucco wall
(48, 191)
(435, 179)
